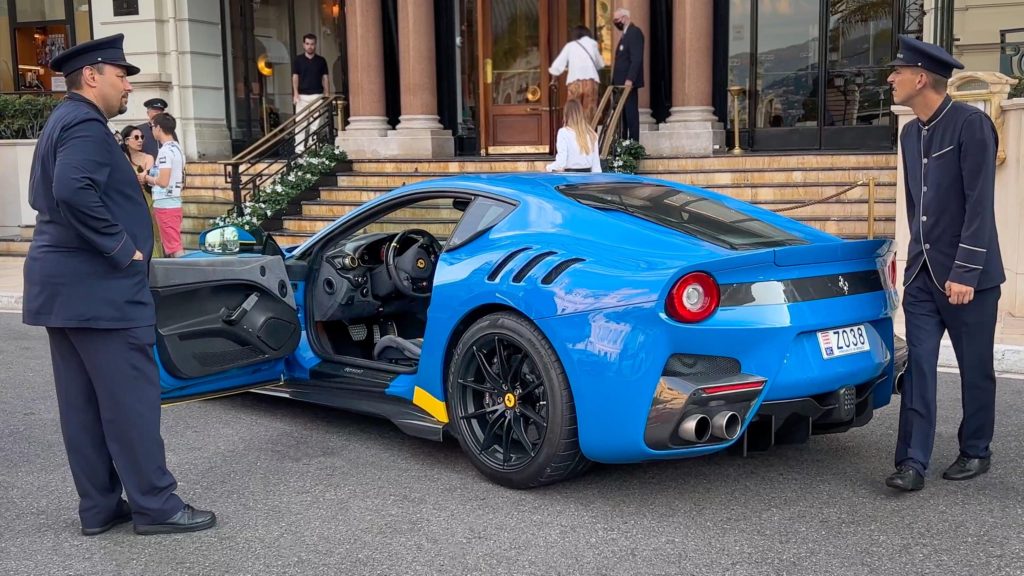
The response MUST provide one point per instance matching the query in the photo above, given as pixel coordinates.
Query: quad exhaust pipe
(726, 425)
(695, 428)
(698, 428)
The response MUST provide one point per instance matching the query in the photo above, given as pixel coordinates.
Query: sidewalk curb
(1008, 359)
(10, 301)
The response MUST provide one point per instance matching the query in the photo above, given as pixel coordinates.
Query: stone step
(796, 193)
(190, 193)
(709, 178)
(351, 194)
(14, 246)
(335, 209)
(439, 227)
(857, 208)
(196, 223)
(216, 168)
(721, 162)
(209, 208)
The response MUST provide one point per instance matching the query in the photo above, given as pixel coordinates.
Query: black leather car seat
(398, 350)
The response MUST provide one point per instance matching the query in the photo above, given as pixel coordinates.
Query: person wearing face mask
(87, 282)
(628, 70)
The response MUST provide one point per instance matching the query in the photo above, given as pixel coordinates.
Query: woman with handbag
(582, 57)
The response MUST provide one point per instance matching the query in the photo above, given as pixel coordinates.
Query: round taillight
(693, 298)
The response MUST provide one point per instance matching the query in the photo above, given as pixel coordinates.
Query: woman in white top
(577, 143)
(583, 58)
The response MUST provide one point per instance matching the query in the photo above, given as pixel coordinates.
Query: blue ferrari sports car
(547, 321)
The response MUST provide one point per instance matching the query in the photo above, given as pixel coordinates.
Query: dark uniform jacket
(949, 168)
(91, 219)
(629, 58)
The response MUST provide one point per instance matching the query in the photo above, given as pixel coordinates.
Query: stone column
(640, 16)
(178, 47)
(419, 134)
(692, 129)
(903, 115)
(368, 125)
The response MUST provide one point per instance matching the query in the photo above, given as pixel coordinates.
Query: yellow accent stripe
(431, 405)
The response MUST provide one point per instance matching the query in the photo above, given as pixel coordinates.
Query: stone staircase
(769, 180)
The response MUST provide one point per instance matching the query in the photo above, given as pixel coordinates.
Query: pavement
(301, 489)
(1009, 353)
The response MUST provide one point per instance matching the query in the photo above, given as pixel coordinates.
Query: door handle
(488, 70)
(235, 316)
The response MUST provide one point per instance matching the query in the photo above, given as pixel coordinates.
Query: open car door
(223, 324)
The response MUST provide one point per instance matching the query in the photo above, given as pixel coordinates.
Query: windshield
(687, 212)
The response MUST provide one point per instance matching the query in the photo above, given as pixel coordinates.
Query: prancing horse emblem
(844, 285)
(421, 263)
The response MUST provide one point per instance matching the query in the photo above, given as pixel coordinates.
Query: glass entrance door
(804, 90)
(855, 112)
(786, 114)
(515, 57)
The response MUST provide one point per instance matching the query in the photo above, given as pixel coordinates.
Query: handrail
(608, 134)
(275, 134)
(871, 181)
(273, 154)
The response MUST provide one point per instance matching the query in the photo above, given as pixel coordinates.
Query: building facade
(469, 77)
(989, 35)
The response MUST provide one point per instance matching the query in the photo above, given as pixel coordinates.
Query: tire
(515, 421)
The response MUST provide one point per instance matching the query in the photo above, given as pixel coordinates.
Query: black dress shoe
(966, 468)
(188, 520)
(905, 478)
(124, 514)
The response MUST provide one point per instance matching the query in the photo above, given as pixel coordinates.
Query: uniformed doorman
(86, 281)
(153, 106)
(953, 265)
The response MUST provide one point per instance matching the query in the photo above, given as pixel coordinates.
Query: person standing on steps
(167, 179)
(309, 82)
(628, 70)
(153, 106)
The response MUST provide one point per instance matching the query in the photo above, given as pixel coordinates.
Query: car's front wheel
(511, 405)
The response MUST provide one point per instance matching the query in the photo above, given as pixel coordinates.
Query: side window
(437, 216)
(481, 215)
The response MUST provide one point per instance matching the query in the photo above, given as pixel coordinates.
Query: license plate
(842, 341)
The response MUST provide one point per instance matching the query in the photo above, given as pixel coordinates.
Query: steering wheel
(413, 271)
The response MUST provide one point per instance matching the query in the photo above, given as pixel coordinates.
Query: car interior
(372, 287)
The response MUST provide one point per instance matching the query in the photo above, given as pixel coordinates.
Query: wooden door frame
(547, 8)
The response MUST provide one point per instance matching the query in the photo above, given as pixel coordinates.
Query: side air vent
(530, 265)
(562, 266)
(504, 262)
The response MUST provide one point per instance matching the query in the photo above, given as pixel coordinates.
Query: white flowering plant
(626, 156)
(289, 183)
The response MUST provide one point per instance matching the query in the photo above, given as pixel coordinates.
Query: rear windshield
(689, 213)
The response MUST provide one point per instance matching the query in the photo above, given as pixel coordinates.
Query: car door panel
(218, 315)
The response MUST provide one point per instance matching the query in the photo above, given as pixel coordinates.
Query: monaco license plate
(842, 341)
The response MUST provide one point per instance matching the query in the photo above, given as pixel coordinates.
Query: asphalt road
(308, 490)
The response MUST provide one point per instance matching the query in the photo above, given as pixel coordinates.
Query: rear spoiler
(832, 252)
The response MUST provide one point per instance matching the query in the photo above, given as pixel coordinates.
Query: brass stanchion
(871, 207)
(736, 91)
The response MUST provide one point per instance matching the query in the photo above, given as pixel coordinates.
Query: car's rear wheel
(511, 405)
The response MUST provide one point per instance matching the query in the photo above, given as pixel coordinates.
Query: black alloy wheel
(511, 404)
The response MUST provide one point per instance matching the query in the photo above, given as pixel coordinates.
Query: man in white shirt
(582, 57)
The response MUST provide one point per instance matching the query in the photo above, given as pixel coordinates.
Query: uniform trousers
(108, 395)
(971, 329)
(631, 116)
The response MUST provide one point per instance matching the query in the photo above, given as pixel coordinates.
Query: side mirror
(227, 240)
